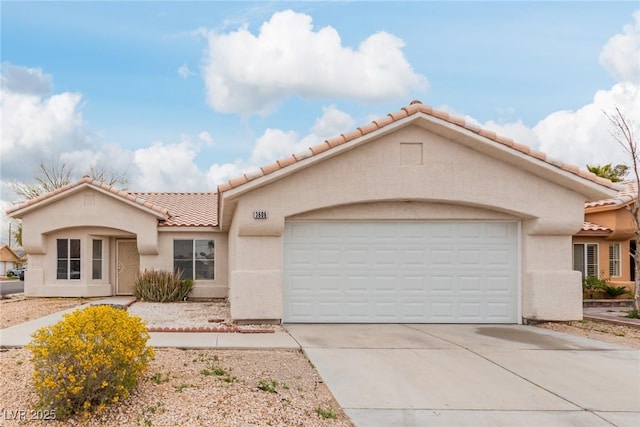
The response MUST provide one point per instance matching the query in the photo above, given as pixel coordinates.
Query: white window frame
(615, 260)
(581, 252)
(97, 261)
(69, 260)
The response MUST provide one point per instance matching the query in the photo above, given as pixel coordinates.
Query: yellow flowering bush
(91, 358)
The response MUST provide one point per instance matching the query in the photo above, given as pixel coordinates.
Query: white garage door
(411, 272)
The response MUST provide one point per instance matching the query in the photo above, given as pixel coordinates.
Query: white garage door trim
(402, 271)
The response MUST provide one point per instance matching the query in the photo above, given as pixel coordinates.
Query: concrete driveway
(473, 375)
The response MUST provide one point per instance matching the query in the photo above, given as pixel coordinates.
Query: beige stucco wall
(619, 220)
(440, 179)
(216, 288)
(89, 214)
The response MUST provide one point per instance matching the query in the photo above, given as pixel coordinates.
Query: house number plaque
(259, 214)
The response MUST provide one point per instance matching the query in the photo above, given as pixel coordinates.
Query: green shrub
(614, 291)
(268, 386)
(633, 314)
(89, 359)
(594, 287)
(326, 413)
(161, 286)
(593, 283)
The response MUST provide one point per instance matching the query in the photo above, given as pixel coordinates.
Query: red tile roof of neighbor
(627, 194)
(416, 107)
(590, 226)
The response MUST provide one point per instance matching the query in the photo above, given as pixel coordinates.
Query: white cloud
(245, 73)
(583, 136)
(272, 145)
(168, 167)
(219, 173)
(206, 137)
(621, 55)
(29, 81)
(185, 72)
(332, 123)
(35, 125)
(275, 144)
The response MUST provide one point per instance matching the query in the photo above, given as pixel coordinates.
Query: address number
(259, 214)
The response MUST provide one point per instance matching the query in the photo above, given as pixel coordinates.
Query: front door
(128, 266)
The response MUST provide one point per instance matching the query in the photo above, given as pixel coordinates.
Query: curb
(612, 321)
(225, 330)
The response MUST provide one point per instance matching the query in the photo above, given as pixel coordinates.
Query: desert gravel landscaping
(627, 336)
(240, 388)
(18, 309)
(185, 387)
(200, 388)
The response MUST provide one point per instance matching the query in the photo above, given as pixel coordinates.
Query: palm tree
(615, 173)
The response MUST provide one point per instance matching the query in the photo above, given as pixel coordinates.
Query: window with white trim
(96, 259)
(585, 259)
(68, 261)
(614, 260)
(195, 258)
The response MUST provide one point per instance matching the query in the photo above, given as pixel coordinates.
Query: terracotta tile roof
(185, 209)
(416, 107)
(177, 209)
(590, 226)
(627, 194)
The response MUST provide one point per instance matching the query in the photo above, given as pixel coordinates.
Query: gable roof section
(87, 182)
(8, 255)
(171, 209)
(415, 108)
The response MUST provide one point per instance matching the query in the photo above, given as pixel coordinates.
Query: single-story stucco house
(418, 217)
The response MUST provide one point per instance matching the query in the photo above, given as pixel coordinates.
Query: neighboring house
(603, 246)
(417, 217)
(9, 259)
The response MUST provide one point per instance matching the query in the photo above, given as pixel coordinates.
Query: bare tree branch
(56, 175)
(625, 132)
(109, 177)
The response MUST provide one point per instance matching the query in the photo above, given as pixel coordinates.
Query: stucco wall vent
(411, 153)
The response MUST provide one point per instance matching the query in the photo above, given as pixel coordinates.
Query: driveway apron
(473, 375)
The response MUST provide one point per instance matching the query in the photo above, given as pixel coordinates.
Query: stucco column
(551, 290)
(255, 282)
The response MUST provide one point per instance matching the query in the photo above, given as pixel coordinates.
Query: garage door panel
(470, 311)
(401, 272)
(468, 232)
(471, 285)
(500, 285)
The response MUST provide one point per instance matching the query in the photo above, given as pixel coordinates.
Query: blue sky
(182, 95)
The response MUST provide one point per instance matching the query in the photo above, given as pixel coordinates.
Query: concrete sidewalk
(20, 335)
(615, 315)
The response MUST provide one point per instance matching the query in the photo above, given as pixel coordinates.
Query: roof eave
(19, 212)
